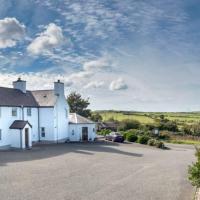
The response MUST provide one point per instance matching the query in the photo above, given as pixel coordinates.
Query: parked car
(115, 137)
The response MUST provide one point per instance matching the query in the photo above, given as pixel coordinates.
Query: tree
(78, 105)
(129, 124)
(96, 117)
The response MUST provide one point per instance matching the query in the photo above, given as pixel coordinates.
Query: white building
(42, 115)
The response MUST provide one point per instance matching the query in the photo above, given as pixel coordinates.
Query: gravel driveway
(98, 171)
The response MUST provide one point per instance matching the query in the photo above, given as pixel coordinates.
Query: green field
(149, 117)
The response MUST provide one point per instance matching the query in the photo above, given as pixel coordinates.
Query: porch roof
(19, 124)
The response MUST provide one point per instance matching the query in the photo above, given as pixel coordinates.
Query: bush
(104, 132)
(160, 144)
(124, 134)
(143, 139)
(194, 170)
(164, 136)
(129, 124)
(152, 142)
(168, 125)
(131, 137)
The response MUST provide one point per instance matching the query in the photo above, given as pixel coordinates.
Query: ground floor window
(43, 132)
(0, 134)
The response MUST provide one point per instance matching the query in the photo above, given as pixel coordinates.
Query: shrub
(164, 136)
(124, 135)
(131, 137)
(129, 124)
(143, 139)
(168, 125)
(160, 144)
(194, 170)
(152, 142)
(150, 126)
(104, 132)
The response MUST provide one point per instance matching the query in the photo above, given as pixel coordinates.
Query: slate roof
(19, 124)
(44, 98)
(14, 97)
(78, 119)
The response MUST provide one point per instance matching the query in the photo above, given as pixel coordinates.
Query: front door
(85, 133)
(26, 137)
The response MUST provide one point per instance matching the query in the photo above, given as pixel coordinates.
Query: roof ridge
(41, 90)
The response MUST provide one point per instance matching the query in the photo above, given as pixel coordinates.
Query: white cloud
(118, 84)
(97, 65)
(51, 38)
(80, 75)
(11, 31)
(94, 84)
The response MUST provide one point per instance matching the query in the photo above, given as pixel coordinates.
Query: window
(14, 112)
(93, 129)
(0, 134)
(28, 111)
(72, 132)
(43, 132)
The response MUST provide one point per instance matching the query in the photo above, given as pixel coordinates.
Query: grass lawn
(120, 116)
(144, 118)
(192, 142)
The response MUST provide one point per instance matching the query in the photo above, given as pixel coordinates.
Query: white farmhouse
(42, 115)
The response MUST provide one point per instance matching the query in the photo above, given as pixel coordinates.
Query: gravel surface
(96, 171)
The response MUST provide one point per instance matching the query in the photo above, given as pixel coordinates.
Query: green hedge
(143, 139)
(131, 137)
(104, 132)
(194, 170)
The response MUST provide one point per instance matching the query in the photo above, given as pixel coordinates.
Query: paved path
(101, 171)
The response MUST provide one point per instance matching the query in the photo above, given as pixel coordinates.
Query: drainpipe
(21, 138)
(22, 108)
(57, 120)
(38, 124)
(22, 117)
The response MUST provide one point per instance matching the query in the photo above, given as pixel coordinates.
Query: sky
(125, 55)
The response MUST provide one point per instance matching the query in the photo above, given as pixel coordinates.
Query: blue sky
(127, 55)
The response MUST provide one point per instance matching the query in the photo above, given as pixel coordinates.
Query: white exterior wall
(33, 120)
(46, 120)
(15, 139)
(74, 134)
(61, 119)
(78, 131)
(17, 136)
(6, 119)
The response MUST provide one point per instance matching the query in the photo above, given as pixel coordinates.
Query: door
(85, 133)
(26, 137)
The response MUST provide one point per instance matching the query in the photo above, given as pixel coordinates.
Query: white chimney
(20, 85)
(59, 88)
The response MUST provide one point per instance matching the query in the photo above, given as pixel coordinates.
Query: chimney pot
(20, 85)
(59, 88)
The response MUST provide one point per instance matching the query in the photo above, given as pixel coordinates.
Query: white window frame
(14, 110)
(29, 112)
